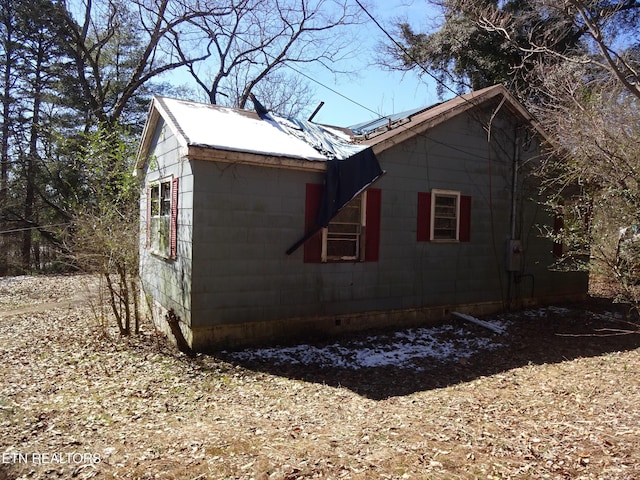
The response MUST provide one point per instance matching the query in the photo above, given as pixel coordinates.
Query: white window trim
(447, 193)
(360, 244)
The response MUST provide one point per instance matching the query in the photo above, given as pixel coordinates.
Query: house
(241, 242)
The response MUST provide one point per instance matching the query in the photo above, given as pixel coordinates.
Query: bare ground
(558, 400)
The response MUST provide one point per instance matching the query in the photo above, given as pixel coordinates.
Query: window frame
(424, 230)
(360, 236)
(435, 194)
(312, 251)
(161, 217)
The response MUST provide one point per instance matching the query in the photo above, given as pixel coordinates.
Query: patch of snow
(400, 349)
(545, 312)
(13, 279)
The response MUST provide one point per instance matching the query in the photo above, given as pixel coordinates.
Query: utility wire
(388, 35)
(402, 47)
(318, 82)
(33, 228)
(308, 77)
(406, 52)
(487, 126)
(398, 44)
(333, 90)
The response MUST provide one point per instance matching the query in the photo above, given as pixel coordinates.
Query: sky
(377, 89)
(374, 92)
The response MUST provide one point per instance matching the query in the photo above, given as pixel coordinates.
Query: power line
(395, 42)
(404, 49)
(398, 44)
(308, 77)
(316, 81)
(332, 90)
(16, 230)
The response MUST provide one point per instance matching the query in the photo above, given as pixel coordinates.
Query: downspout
(514, 180)
(512, 244)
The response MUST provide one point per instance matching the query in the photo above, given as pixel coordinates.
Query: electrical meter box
(514, 255)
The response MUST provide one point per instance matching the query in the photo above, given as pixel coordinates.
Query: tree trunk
(32, 156)
(8, 46)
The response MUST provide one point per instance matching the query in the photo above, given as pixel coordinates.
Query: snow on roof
(223, 128)
(226, 128)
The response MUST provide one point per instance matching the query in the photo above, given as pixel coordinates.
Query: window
(353, 235)
(162, 199)
(444, 216)
(341, 239)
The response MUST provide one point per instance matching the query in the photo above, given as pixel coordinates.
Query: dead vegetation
(557, 400)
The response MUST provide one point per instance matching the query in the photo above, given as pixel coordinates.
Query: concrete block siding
(166, 284)
(246, 217)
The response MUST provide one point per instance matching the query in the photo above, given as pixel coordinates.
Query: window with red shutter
(162, 214)
(464, 235)
(313, 246)
(373, 214)
(443, 216)
(352, 235)
(424, 217)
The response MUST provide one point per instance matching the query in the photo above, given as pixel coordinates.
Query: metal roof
(386, 122)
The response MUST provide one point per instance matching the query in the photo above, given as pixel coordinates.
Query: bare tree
(595, 127)
(608, 30)
(117, 47)
(250, 45)
(285, 92)
(104, 237)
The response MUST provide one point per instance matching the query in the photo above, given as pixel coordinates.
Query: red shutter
(464, 235)
(372, 233)
(558, 225)
(173, 222)
(424, 216)
(313, 246)
(148, 220)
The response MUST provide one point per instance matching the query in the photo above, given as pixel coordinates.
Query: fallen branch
(482, 323)
(612, 332)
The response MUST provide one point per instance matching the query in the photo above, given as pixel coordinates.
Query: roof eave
(205, 153)
(447, 110)
(145, 139)
(156, 111)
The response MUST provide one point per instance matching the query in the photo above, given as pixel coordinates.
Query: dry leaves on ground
(75, 403)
